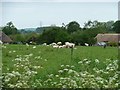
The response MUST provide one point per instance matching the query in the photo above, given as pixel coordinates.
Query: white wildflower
(97, 61)
(34, 47)
(60, 71)
(10, 51)
(14, 51)
(65, 69)
(62, 65)
(56, 75)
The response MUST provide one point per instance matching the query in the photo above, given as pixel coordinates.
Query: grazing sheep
(55, 46)
(69, 45)
(60, 46)
(86, 44)
(64, 46)
(59, 43)
(44, 44)
(30, 42)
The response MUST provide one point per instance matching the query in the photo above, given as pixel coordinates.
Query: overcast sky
(27, 13)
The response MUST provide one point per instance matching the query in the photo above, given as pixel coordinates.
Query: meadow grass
(51, 58)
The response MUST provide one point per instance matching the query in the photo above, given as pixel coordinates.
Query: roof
(108, 37)
(4, 38)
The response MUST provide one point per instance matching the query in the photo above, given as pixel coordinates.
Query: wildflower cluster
(84, 74)
(68, 77)
(23, 73)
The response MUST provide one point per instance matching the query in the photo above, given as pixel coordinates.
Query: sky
(34, 13)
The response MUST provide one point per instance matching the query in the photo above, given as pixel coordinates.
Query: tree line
(71, 32)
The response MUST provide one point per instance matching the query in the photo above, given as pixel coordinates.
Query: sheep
(30, 42)
(55, 46)
(60, 46)
(44, 44)
(69, 45)
(86, 44)
(64, 46)
(59, 43)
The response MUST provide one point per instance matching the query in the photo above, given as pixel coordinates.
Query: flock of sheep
(59, 45)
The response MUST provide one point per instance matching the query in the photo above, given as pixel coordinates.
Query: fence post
(72, 53)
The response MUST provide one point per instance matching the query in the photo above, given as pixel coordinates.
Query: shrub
(112, 44)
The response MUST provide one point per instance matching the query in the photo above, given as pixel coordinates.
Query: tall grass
(50, 59)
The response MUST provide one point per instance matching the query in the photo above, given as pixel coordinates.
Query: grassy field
(51, 60)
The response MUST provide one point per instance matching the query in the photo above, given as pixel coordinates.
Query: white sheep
(44, 44)
(55, 46)
(60, 46)
(69, 45)
(86, 44)
(59, 43)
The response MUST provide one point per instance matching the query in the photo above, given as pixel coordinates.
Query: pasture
(54, 63)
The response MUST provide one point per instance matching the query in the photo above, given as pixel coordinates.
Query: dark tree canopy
(116, 26)
(10, 29)
(73, 27)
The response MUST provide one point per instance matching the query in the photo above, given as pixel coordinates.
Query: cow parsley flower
(97, 61)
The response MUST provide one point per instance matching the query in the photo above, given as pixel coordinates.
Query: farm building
(4, 38)
(108, 38)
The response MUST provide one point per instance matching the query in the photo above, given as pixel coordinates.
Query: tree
(18, 38)
(88, 24)
(109, 25)
(116, 26)
(73, 27)
(54, 34)
(10, 29)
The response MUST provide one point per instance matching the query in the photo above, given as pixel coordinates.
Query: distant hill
(41, 29)
(36, 30)
(27, 30)
(30, 29)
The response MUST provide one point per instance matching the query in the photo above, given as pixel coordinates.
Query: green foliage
(25, 38)
(116, 26)
(17, 38)
(73, 27)
(32, 37)
(10, 29)
(113, 44)
(54, 34)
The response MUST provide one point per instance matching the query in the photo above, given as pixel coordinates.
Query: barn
(109, 37)
(4, 38)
